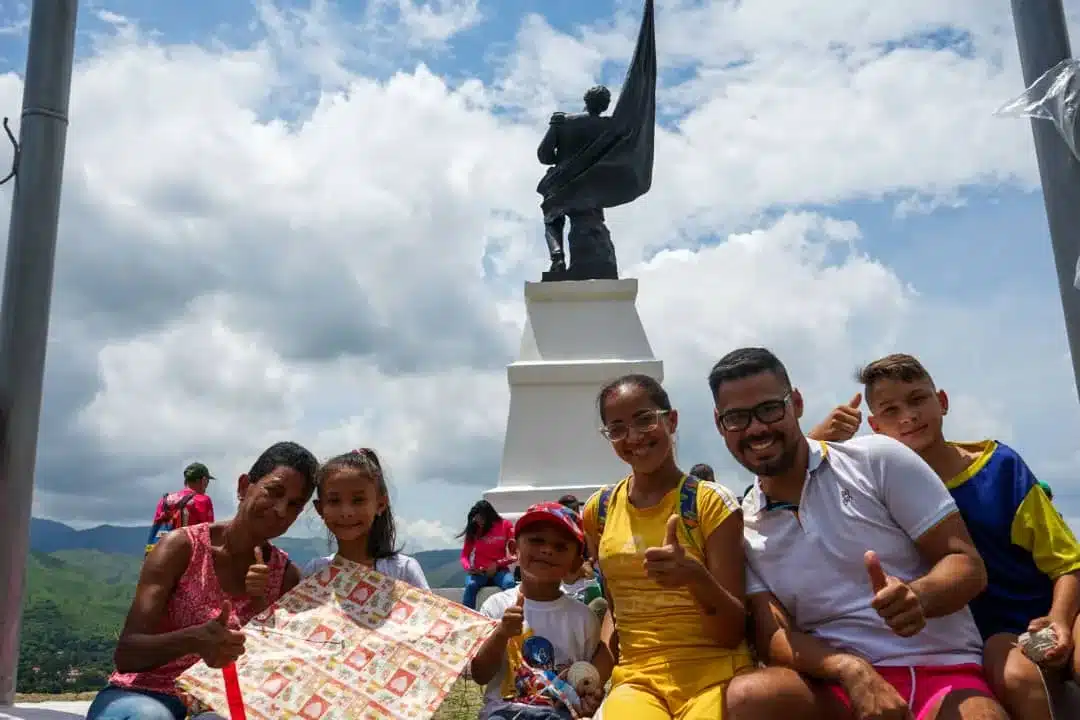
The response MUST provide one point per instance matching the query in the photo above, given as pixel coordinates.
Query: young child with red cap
(542, 632)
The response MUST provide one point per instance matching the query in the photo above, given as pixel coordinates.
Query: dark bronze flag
(617, 167)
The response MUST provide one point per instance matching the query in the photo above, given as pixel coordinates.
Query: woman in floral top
(200, 584)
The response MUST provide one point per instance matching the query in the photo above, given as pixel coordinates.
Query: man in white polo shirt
(859, 566)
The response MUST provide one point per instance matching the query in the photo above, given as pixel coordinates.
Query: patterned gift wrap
(347, 643)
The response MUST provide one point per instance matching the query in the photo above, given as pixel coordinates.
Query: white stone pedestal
(578, 335)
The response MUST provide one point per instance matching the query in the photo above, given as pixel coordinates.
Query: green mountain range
(79, 587)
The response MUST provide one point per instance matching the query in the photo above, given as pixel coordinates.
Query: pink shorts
(925, 687)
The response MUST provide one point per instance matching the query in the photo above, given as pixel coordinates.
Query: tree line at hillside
(54, 658)
(74, 607)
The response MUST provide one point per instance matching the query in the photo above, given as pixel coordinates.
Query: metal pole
(24, 314)
(1044, 42)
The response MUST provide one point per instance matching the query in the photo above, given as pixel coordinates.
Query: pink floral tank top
(197, 599)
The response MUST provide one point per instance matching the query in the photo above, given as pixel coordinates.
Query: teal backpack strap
(688, 493)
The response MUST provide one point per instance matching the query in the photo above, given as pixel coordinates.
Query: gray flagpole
(24, 313)
(1043, 38)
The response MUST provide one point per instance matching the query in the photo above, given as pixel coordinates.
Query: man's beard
(771, 468)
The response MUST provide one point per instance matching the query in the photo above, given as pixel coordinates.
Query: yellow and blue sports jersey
(1022, 538)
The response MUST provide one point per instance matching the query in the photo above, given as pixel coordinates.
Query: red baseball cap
(552, 513)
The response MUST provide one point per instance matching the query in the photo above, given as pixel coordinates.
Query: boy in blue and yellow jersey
(1032, 557)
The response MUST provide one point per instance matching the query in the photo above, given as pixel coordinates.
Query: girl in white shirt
(352, 498)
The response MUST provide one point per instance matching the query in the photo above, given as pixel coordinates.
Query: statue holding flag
(598, 162)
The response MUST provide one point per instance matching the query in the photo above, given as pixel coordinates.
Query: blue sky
(202, 21)
(890, 211)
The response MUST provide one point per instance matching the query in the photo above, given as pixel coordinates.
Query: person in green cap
(189, 506)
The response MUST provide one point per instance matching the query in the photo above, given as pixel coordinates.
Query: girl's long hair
(488, 516)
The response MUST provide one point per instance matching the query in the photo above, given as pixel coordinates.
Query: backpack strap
(168, 512)
(601, 510)
(603, 502)
(688, 494)
(155, 527)
(179, 509)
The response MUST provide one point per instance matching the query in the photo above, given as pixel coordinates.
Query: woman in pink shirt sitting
(200, 584)
(486, 555)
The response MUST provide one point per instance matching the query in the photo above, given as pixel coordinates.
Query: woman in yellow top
(679, 611)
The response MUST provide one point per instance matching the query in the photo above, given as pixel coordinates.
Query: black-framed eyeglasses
(643, 423)
(768, 412)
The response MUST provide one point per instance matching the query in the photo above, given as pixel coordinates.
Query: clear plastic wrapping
(1055, 97)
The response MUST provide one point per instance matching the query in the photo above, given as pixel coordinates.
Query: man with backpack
(189, 506)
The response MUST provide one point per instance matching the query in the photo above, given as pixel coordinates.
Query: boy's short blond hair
(898, 366)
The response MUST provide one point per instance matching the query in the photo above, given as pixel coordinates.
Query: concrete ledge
(582, 290)
(455, 594)
(511, 501)
(46, 711)
(579, 372)
(585, 320)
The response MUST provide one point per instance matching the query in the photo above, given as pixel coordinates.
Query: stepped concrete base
(578, 335)
(512, 501)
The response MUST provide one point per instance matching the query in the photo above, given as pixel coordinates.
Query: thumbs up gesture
(894, 600)
(217, 644)
(842, 423)
(513, 619)
(258, 576)
(668, 565)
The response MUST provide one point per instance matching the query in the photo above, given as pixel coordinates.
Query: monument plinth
(578, 335)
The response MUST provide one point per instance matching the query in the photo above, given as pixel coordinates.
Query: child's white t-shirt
(577, 587)
(557, 633)
(398, 566)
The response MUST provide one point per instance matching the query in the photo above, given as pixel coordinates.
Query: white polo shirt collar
(818, 454)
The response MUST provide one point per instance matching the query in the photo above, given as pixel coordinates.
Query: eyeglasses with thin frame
(768, 412)
(643, 423)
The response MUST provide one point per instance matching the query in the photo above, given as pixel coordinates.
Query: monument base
(578, 336)
(580, 271)
(511, 502)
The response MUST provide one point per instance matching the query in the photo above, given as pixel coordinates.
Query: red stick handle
(232, 693)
